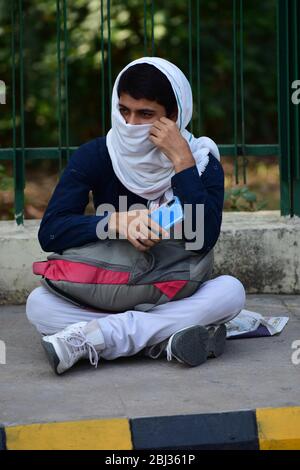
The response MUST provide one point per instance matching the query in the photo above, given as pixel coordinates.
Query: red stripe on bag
(62, 270)
(170, 288)
(39, 267)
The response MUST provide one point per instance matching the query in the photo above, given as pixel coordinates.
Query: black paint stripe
(2, 439)
(233, 430)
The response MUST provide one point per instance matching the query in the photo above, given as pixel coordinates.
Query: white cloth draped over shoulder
(138, 163)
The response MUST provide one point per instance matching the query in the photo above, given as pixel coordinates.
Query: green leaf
(6, 183)
(235, 191)
(227, 195)
(244, 190)
(249, 196)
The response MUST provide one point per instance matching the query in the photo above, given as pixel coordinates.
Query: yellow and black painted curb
(263, 428)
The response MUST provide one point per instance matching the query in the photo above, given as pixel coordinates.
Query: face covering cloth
(137, 162)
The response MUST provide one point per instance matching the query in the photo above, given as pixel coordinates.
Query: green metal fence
(287, 149)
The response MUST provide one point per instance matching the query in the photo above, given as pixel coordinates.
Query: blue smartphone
(168, 214)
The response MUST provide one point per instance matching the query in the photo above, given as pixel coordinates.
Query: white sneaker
(83, 340)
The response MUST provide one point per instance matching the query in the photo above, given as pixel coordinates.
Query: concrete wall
(262, 249)
(19, 247)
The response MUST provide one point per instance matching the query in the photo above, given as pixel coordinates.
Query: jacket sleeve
(207, 189)
(64, 224)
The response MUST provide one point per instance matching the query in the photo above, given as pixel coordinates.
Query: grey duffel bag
(113, 276)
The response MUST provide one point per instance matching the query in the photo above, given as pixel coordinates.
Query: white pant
(216, 301)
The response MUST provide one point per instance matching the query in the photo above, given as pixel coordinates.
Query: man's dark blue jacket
(64, 224)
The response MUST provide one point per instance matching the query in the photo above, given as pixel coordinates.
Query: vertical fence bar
(13, 92)
(145, 28)
(296, 16)
(109, 54)
(22, 113)
(283, 106)
(58, 79)
(190, 52)
(19, 162)
(295, 114)
(198, 65)
(66, 81)
(296, 76)
(235, 111)
(102, 71)
(13, 62)
(152, 29)
(242, 89)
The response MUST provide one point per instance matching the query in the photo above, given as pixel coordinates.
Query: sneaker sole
(191, 346)
(217, 342)
(51, 355)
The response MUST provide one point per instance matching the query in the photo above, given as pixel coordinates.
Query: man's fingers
(154, 132)
(140, 239)
(159, 125)
(148, 233)
(143, 235)
(145, 242)
(154, 139)
(139, 246)
(166, 121)
(155, 227)
(145, 232)
(157, 128)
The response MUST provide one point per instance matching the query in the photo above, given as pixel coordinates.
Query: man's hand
(167, 137)
(134, 226)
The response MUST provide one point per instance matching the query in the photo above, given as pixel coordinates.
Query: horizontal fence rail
(287, 149)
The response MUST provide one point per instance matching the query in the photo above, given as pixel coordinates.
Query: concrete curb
(260, 429)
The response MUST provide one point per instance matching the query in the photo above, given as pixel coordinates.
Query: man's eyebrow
(147, 110)
(143, 110)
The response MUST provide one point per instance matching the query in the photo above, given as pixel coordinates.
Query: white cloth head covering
(138, 163)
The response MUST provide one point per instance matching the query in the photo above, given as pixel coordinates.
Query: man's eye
(123, 111)
(147, 115)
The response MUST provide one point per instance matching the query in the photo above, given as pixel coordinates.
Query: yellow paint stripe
(278, 428)
(101, 434)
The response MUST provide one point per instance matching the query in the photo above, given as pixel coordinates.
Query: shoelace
(168, 349)
(156, 350)
(171, 355)
(83, 344)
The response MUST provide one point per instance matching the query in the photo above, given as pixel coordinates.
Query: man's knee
(34, 305)
(237, 290)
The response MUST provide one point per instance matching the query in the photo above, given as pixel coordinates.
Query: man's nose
(133, 119)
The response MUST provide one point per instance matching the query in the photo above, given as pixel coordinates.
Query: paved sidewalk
(252, 373)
